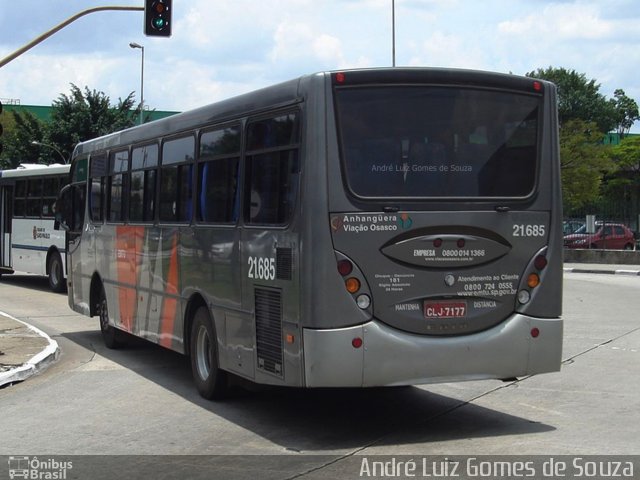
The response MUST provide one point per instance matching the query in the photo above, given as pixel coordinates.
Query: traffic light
(157, 18)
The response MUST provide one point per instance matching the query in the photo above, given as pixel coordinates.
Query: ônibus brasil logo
(34, 468)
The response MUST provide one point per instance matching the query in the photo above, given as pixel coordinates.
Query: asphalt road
(140, 401)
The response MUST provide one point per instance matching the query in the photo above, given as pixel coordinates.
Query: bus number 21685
(262, 268)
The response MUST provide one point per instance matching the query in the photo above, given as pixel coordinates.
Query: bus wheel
(210, 380)
(111, 336)
(56, 273)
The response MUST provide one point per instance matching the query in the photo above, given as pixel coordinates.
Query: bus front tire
(56, 273)
(210, 380)
(111, 336)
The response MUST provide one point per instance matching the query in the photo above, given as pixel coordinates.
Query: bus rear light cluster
(532, 278)
(354, 281)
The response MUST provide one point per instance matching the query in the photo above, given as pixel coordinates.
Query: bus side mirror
(63, 209)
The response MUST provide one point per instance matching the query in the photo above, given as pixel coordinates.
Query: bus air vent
(268, 303)
(284, 261)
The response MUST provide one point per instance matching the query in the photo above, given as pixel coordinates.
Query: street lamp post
(40, 144)
(137, 45)
(393, 33)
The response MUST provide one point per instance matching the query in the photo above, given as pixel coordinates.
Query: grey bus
(359, 228)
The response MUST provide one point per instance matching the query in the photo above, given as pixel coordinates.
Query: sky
(222, 48)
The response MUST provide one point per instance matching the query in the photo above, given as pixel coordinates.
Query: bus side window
(118, 183)
(272, 169)
(219, 159)
(176, 179)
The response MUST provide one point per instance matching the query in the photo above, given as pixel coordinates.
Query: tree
(624, 181)
(579, 98)
(583, 163)
(82, 116)
(626, 112)
(24, 129)
(76, 117)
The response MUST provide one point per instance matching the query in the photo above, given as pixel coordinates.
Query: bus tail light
(363, 301)
(532, 277)
(345, 267)
(540, 262)
(354, 281)
(357, 342)
(352, 284)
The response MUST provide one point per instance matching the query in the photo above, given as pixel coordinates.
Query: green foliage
(591, 170)
(21, 130)
(76, 117)
(579, 98)
(626, 111)
(83, 116)
(625, 179)
(583, 161)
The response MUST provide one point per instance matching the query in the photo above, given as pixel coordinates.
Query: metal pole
(142, 89)
(393, 31)
(40, 144)
(60, 26)
(137, 45)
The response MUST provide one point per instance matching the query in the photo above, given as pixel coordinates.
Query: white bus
(28, 241)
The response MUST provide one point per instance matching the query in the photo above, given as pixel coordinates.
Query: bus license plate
(444, 309)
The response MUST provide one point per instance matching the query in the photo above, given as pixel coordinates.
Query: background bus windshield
(437, 141)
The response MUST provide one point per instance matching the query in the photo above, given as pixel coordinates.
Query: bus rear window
(447, 142)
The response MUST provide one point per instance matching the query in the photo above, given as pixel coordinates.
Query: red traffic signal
(157, 18)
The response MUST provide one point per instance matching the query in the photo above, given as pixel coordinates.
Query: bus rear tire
(210, 380)
(56, 273)
(112, 337)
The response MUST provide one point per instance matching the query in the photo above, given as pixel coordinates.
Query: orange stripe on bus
(170, 302)
(128, 245)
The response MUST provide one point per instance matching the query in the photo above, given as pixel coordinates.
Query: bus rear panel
(444, 216)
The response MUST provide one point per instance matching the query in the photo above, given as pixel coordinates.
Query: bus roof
(35, 169)
(289, 93)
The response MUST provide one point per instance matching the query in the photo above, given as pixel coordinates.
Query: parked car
(571, 226)
(614, 236)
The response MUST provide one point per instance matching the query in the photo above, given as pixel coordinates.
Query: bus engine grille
(268, 304)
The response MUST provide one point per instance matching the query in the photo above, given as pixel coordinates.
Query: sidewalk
(602, 268)
(24, 350)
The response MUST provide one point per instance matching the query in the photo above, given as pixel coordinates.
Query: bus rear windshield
(410, 141)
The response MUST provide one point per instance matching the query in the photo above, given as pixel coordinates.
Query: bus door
(6, 210)
(70, 216)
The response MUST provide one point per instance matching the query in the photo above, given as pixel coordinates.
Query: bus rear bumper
(389, 356)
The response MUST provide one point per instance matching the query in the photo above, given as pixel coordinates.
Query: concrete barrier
(615, 257)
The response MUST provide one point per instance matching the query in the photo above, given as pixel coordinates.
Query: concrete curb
(36, 363)
(602, 271)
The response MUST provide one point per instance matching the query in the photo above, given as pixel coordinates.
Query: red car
(614, 236)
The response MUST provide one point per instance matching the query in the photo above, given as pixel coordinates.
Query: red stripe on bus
(170, 302)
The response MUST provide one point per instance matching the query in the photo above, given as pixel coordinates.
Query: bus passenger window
(118, 183)
(176, 180)
(271, 182)
(218, 175)
(218, 181)
(144, 162)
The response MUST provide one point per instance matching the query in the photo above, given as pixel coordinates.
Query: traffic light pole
(60, 26)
